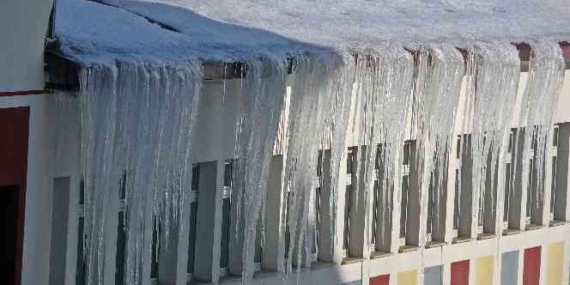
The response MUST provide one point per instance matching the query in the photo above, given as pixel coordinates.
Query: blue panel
(357, 282)
(434, 275)
(509, 268)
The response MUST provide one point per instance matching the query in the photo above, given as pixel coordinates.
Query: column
(274, 249)
(208, 225)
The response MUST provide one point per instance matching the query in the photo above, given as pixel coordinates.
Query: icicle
(436, 96)
(260, 104)
(540, 97)
(137, 123)
(493, 77)
(384, 78)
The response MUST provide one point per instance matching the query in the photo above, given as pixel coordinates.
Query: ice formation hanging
(137, 124)
(138, 119)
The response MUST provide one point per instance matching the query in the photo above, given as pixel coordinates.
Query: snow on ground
(226, 29)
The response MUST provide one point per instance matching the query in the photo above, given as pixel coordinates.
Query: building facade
(41, 190)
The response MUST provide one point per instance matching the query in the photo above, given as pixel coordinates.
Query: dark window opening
(11, 222)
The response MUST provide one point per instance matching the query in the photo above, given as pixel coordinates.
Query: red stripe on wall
(531, 269)
(460, 273)
(24, 93)
(380, 280)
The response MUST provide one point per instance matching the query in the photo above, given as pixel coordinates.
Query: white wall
(37, 220)
(23, 26)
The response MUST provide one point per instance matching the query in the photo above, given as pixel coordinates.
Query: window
(531, 184)
(460, 145)
(432, 191)
(404, 203)
(155, 252)
(317, 207)
(350, 162)
(508, 178)
(554, 171)
(227, 222)
(456, 204)
(377, 201)
(81, 264)
(226, 217)
(193, 213)
(121, 235)
(508, 193)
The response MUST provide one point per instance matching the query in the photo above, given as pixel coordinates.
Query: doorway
(11, 219)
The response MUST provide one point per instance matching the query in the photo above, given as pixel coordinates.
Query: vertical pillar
(111, 233)
(72, 232)
(207, 254)
(338, 219)
(274, 249)
(443, 225)
(395, 204)
(59, 225)
(326, 232)
(449, 201)
(497, 220)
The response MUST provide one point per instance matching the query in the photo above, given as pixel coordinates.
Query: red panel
(13, 145)
(460, 273)
(565, 50)
(380, 280)
(14, 131)
(531, 269)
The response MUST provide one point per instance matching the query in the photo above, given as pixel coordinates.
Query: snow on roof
(233, 29)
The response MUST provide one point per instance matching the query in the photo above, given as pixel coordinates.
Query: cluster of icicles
(138, 121)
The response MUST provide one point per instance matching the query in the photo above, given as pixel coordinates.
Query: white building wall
(23, 27)
(214, 142)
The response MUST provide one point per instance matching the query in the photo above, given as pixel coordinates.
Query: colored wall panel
(555, 264)
(531, 269)
(460, 273)
(510, 268)
(380, 280)
(357, 282)
(408, 278)
(434, 275)
(485, 270)
(13, 145)
(14, 130)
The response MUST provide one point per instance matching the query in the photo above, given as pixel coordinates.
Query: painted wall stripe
(555, 264)
(531, 269)
(380, 280)
(408, 278)
(24, 93)
(484, 270)
(434, 275)
(509, 268)
(460, 273)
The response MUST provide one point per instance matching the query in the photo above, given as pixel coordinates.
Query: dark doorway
(11, 225)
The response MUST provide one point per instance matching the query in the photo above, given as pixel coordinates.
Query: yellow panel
(408, 278)
(485, 266)
(555, 263)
